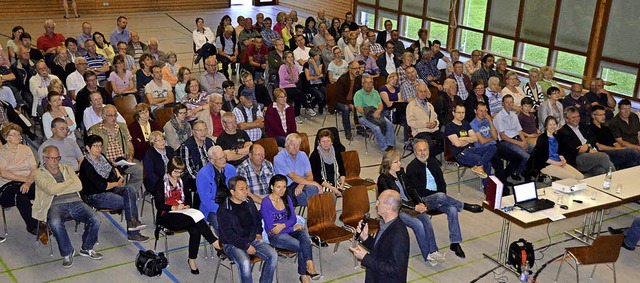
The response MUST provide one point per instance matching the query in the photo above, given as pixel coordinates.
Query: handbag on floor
(151, 264)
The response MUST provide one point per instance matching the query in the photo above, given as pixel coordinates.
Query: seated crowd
(207, 165)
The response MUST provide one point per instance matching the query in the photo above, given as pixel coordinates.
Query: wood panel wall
(45, 8)
(333, 8)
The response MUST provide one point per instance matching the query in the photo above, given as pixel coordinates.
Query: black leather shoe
(193, 271)
(516, 177)
(473, 208)
(614, 231)
(457, 249)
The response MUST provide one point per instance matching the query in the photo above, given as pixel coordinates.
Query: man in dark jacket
(388, 256)
(432, 189)
(346, 87)
(578, 145)
(241, 232)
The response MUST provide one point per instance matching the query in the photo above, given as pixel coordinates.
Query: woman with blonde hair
(548, 81)
(62, 67)
(338, 66)
(513, 87)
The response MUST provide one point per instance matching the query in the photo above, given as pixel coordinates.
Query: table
(525, 219)
(628, 178)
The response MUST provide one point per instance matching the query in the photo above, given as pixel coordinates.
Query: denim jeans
(473, 156)
(297, 241)
(212, 219)
(519, 151)
(345, 112)
(385, 139)
(241, 258)
(422, 227)
(632, 234)
(593, 163)
(624, 158)
(78, 210)
(135, 176)
(118, 198)
(318, 92)
(450, 206)
(307, 192)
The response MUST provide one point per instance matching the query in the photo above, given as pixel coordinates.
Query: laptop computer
(526, 197)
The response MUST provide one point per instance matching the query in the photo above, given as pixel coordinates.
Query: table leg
(503, 247)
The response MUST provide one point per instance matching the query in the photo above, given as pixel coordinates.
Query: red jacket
(273, 124)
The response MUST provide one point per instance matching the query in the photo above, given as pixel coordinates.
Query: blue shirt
(117, 36)
(484, 128)
(81, 40)
(431, 182)
(553, 149)
(284, 164)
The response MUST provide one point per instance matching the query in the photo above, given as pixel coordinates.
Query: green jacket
(47, 188)
(124, 137)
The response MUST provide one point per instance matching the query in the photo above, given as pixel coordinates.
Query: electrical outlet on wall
(106, 4)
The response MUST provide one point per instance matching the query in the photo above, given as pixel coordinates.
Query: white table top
(526, 219)
(629, 179)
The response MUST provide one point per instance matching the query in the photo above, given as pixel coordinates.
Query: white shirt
(200, 38)
(391, 66)
(46, 123)
(300, 54)
(157, 91)
(38, 87)
(75, 82)
(90, 117)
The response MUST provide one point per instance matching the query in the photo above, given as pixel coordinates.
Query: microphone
(364, 222)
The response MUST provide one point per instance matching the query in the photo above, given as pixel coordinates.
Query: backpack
(151, 264)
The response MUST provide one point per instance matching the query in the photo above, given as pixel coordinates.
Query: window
(438, 32)
(365, 16)
(413, 7)
(502, 46)
(570, 63)
(619, 41)
(372, 2)
(383, 16)
(390, 4)
(474, 13)
(572, 36)
(504, 16)
(469, 41)
(533, 54)
(412, 26)
(537, 20)
(438, 9)
(623, 77)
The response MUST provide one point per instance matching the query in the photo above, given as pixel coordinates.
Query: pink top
(120, 82)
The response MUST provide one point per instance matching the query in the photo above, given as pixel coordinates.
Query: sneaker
(91, 254)
(311, 112)
(138, 238)
(436, 256)
(135, 225)
(479, 170)
(299, 119)
(67, 261)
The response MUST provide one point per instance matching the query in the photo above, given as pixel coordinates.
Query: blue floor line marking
(140, 247)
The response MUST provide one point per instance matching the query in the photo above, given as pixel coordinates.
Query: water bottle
(524, 276)
(607, 180)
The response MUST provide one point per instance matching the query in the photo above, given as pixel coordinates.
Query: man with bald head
(48, 41)
(346, 87)
(75, 81)
(159, 57)
(257, 171)
(423, 120)
(211, 80)
(117, 144)
(322, 17)
(136, 48)
(388, 255)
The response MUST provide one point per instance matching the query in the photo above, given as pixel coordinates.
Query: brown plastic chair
(355, 204)
(605, 249)
(450, 159)
(351, 161)
(163, 115)
(331, 103)
(125, 106)
(321, 223)
(304, 145)
(222, 257)
(270, 147)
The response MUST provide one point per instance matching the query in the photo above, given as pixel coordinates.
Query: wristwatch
(235, 150)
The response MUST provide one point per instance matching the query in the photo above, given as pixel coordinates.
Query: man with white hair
(48, 41)
(75, 81)
(159, 58)
(211, 80)
(322, 18)
(38, 85)
(294, 164)
(211, 182)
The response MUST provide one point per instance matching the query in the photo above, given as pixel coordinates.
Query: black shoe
(348, 135)
(197, 60)
(516, 177)
(457, 249)
(314, 276)
(473, 207)
(628, 248)
(319, 243)
(193, 271)
(614, 231)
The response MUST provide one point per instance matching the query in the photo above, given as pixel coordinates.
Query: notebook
(526, 197)
(494, 192)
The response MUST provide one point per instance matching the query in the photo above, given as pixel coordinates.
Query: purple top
(120, 82)
(272, 216)
(288, 80)
(370, 66)
(393, 96)
(528, 123)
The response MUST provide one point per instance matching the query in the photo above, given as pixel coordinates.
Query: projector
(568, 186)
